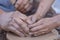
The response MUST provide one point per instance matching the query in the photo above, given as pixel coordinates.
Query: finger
(23, 4)
(24, 9)
(34, 19)
(29, 4)
(22, 24)
(43, 26)
(28, 7)
(14, 30)
(29, 20)
(18, 3)
(40, 22)
(38, 28)
(19, 28)
(15, 25)
(20, 15)
(41, 32)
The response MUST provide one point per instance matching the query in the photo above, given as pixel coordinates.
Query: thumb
(31, 20)
(34, 19)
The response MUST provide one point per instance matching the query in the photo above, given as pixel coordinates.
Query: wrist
(57, 19)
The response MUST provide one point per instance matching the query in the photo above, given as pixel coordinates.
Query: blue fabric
(6, 5)
(56, 6)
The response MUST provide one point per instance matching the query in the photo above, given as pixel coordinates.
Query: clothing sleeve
(6, 5)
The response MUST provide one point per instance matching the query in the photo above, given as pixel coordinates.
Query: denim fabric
(6, 5)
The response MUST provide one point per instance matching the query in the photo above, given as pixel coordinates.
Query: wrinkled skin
(14, 22)
(19, 26)
(44, 25)
(22, 5)
(23, 25)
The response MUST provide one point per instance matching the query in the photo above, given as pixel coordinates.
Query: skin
(21, 21)
(45, 25)
(22, 5)
(44, 6)
(16, 25)
(19, 26)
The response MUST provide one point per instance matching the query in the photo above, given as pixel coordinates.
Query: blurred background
(56, 6)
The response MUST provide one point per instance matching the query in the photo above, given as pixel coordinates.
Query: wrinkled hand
(32, 19)
(23, 5)
(43, 26)
(15, 23)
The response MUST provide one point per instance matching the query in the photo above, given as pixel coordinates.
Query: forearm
(44, 6)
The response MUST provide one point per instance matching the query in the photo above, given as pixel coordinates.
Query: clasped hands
(23, 25)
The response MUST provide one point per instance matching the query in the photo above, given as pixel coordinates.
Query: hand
(16, 25)
(20, 3)
(43, 26)
(32, 19)
(23, 5)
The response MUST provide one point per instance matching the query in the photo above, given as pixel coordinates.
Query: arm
(57, 19)
(45, 25)
(44, 6)
(41, 11)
